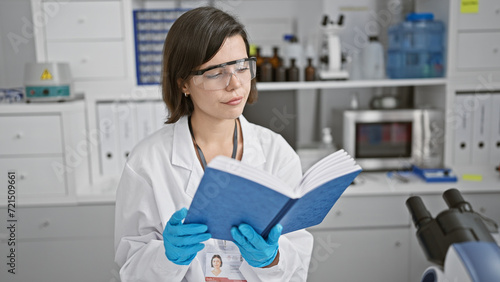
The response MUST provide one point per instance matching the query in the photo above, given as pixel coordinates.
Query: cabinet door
(90, 60)
(478, 50)
(75, 260)
(66, 243)
(83, 20)
(360, 255)
(36, 134)
(35, 176)
(487, 17)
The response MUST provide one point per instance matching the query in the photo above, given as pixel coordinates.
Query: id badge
(222, 263)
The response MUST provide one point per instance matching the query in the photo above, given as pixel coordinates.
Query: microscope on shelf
(333, 56)
(459, 241)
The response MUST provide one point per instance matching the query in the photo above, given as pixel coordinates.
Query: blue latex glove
(183, 241)
(254, 249)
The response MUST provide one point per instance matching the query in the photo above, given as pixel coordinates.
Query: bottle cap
(415, 17)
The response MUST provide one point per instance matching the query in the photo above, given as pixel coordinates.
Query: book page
(332, 166)
(251, 173)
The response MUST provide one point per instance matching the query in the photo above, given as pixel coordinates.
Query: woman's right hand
(183, 241)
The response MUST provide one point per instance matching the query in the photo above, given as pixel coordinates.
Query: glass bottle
(258, 63)
(266, 71)
(292, 73)
(310, 71)
(275, 61)
(280, 74)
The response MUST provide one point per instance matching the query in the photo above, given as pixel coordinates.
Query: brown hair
(194, 38)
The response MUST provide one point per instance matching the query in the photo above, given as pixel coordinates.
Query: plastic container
(416, 47)
(373, 63)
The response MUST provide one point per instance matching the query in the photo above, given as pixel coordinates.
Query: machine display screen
(383, 140)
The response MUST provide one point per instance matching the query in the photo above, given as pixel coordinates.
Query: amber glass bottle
(275, 61)
(258, 63)
(266, 71)
(292, 73)
(310, 71)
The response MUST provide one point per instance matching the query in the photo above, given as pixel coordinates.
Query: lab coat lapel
(183, 155)
(253, 152)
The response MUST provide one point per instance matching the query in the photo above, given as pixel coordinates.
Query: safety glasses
(218, 77)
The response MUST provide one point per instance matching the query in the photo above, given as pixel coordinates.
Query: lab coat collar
(253, 153)
(184, 155)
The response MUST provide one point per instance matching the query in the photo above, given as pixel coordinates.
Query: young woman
(208, 78)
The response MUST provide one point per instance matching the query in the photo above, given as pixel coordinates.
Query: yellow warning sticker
(469, 6)
(46, 75)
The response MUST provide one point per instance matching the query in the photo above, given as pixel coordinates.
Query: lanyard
(200, 152)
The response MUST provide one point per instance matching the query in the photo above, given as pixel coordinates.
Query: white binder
(160, 114)
(495, 130)
(108, 137)
(464, 105)
(481, 129)
(127, 130)
(145, 119)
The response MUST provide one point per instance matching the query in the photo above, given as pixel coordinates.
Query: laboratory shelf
(277, 86)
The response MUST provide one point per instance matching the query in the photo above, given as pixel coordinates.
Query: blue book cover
(232, 192)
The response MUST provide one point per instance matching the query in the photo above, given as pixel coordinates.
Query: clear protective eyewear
(218, 77)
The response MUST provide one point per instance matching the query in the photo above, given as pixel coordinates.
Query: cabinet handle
(45, 224)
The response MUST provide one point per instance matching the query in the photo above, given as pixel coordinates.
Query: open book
(232, 192)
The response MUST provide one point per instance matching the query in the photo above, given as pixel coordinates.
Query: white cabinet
(85, 20)
(377, 255)
(478, 50)
(474, 43)
(35, 175)
(46, 146)
(64, 243)
(362, 239)
(30, 134)
(487, 17)
(89, 35)
(90, 60)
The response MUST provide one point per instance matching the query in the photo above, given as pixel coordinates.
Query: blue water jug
(416, 47)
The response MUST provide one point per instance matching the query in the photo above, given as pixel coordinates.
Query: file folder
(464, 105)
(495, 130)
(107, 126)
(481, 129)
(127, 129)
(145, 119)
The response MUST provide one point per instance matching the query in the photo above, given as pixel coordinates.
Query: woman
(216, 264)
(207, 80)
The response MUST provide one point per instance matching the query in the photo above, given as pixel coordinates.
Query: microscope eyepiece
(454, 199)
(418, 211)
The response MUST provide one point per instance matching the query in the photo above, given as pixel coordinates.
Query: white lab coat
(161, 176)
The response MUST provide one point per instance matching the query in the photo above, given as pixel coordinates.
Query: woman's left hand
(254, 249)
